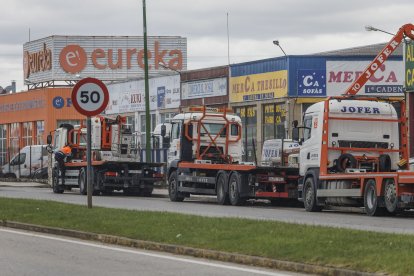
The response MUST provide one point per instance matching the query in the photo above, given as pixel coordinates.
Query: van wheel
(10, 175)
(390, 196)
(173, 192)
(222, 195)
(234, 195)
(371, 199)
(55, 182)
(83, 189)
(309, 198)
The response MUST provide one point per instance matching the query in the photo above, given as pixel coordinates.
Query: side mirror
(163, 130)
(49, 139)
(295, 134)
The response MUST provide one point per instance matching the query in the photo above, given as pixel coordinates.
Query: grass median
(351, 249)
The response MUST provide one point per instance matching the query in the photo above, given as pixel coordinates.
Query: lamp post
(174, 70)
(276, 42)
(369, 28)
(147, 105)
(287, 105)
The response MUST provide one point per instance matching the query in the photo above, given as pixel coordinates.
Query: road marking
(184, 260)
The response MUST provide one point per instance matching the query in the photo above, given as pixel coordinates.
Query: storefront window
(248, 115)
(274, 117)
(166, 117)
(40, 129)
(14, 138)
(3, 144)
(72, 122)
(27, 134)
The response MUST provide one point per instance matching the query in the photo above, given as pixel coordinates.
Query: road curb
(189, 251)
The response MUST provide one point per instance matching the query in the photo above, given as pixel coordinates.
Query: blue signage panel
(311, 83)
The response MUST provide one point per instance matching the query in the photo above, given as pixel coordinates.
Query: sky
(301, 26)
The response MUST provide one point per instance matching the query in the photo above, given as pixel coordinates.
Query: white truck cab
(351, 124)
(211, 125)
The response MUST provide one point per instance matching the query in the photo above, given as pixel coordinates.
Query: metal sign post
(89, 97)
(89, 161)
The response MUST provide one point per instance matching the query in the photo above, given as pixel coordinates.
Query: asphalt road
(25, 253)
(206, 206)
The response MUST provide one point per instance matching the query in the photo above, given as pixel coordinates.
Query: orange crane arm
(405, 31)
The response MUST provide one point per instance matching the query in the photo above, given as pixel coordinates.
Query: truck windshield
(175, 130)
(307, 122)
(213, 129)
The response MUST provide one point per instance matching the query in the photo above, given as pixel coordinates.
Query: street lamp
(276, 42)
(369, 28)
(178, 72)
(286, 125)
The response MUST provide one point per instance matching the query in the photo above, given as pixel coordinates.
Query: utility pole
(147, 105)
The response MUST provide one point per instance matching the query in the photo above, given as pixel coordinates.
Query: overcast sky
(301, 26)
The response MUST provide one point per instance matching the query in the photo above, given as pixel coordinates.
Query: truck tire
(371, 199)
(222, 195)
(234, 195)
(309, 198)
(390, 196)
(173, 193)
(83, 189)
(57, 189)
(384, 163)
(345, 161)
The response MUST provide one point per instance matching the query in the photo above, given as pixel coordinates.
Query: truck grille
(362, 144)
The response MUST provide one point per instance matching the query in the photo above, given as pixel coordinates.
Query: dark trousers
(60, 159)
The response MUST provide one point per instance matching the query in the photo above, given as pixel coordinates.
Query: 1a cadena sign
(108, 58)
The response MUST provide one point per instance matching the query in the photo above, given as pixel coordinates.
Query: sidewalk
(18, 183)
(158, 191)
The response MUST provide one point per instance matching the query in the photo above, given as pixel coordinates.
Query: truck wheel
(309, 199)
(371, 199)
(390, 196)
(55, 182)
(384, 163)
(222, 195)
(234, 195)
(345, 161)
(173, 188)
(83, 189)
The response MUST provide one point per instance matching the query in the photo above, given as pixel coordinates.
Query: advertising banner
(258, 86)
(164, 93)
(311, 83)
(204, 88)
(387, 81)
(409, 66)
(107, 58)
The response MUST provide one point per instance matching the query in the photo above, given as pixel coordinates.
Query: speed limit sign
(90, 96)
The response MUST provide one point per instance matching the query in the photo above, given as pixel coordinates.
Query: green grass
(351, 249)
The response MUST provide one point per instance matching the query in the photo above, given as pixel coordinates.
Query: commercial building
(27, 117)
(269, 94)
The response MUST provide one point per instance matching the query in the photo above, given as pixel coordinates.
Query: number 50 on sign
(90, 96)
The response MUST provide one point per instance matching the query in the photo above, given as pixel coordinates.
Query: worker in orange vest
(60, 157)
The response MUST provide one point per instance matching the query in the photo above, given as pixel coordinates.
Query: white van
(26, 162)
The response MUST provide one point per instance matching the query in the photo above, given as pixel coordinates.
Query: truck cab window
(175, 130)
(307, 122)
